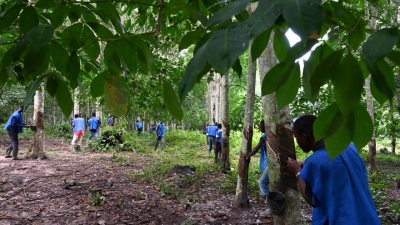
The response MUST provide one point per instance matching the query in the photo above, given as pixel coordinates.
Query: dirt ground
(63, 189)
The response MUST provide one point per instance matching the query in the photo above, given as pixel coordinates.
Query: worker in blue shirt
(94, 125)
(139, 127)
(160, 136)
(110, 121)
(212, 131)
(14, 127)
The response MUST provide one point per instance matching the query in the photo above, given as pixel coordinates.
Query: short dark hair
(219, 125)
(76, 115)
(93, 114)
(304, 124)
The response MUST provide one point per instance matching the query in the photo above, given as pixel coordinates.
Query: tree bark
(279, 140)
(38, 118)
(76, 102)
(99, 114)
(241, 199)
(225, 161)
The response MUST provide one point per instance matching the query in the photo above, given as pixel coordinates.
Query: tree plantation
(156, 75)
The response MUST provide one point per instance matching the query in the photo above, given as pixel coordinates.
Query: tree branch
(124, 1)
(159, 20)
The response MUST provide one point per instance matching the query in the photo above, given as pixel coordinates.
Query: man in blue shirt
(139, 127)
(14, 126)
(218, 145)
(212, 131)
(79, 131)
(94, 125)
(110, 121)
(160, 136)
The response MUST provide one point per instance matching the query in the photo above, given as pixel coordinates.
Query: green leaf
(128, 54)
(288, 90)
(281, 44)
(73, 69)
(356, 38)
(227, 45)
(59, 15)
(394, 56)
(101, 31)
(59, 56)
(114, 97)
(338, 142)
(348, 84)
(107, 11)
(63, 97)
(328, 122)
(237, 67)
(304, 17)
(364, 68)
(37, 61)
(378, 45)
(300, 49)
(88, 15)
(10, 16)
(74, 13)
(32, 90)
(259, 44)
(112, 59)
(308, 69)
(361, 130)
(325, 71)
(227, 12)
(97, 86)
(264, 16)
(202, 18)
(382, 82)
(51, 85)
(145, 56)
(28, 19)
(40, 35)
(21, 47)
(274, 75)
(195, 70)
(45, 4)
(189, 39)
(171, 102)
(91, 47)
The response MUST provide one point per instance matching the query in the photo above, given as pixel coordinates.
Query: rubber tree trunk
(76, 102)
(371, 12)
(99, 114)
(225, 161)
(279, 140)
(241, 198)
(38, 119)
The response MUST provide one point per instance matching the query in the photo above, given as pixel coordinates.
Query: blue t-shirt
(160, 130)
(218, 134)
(212, 130)
(15, 122)
(263, 153)
(139, 125)
(340, 192)
(79, 124)
(110, 121)
(94, 123)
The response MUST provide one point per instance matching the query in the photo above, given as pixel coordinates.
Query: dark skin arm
(295, 167)
(255, 149)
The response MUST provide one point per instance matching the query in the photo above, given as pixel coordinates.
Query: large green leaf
(339, 141)
(281, 44)
(259, 44)
(171, 102)
(73, 69)
(10, 16)
(288, 90)
(111, 58)
(328, 122)
(72, 36)
(226, 45)
(37, 61)
(237, 67)
(128, 54)
(51, 85)
(325, 71)
(146, 59)
(59, 56)
(101, 31)
(22, 46)
(115, 97)
(300, 49)
(304, 17)
(40, 35)
(28, 19)
(382, 82)
(32, 90)
(58, 15)
(189, 39)
(348, 84)
(63, 97)
(264, 16)
(362, 128)
(227, 12)
(45, 4)
(97, 86)
(107, 11)
(274, 76)
(394, 56)
(378, 45)
(91, 47)
(308, 69)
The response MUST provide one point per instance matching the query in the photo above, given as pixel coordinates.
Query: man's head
(21, 108)
(302, 128)
(137, 121)
(93, 114)
(76, 115)
(262, 126)
(219, 126)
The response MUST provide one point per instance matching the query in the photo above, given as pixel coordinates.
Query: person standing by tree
(110, 121)
(79, 131)
(212, 130)
(94, 125)
(337, 189)
(218, 145)
(160, 136)
(14, 126)
(206, 132)
(264, 179)
(139, 127)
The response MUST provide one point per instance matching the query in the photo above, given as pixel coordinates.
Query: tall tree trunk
(280, 139)
(76, 102)
(38, 118)
(225, 163)
(241, 199)
(99, 114)
(371, 12)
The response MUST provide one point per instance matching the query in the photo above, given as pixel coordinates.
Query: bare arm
(255, 149)
(305, 190)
